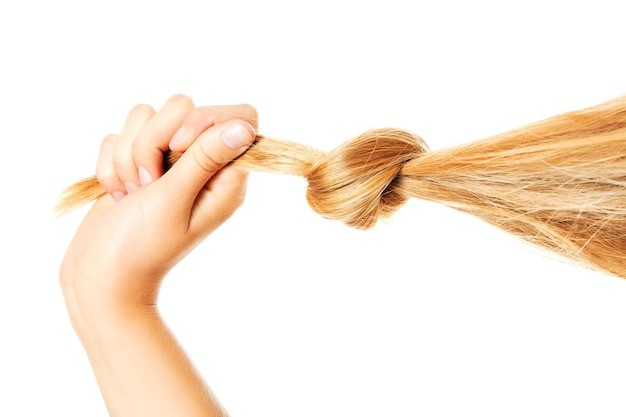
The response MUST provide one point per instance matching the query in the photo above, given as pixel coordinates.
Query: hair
(559, 183)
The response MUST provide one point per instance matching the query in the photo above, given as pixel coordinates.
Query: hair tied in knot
(358, 182)
(559, 183)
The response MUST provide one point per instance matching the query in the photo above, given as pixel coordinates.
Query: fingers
(213, 149)
(135, 157)
(218, 201)
(123, 158)
(154, 138)
(105, 170)
(116, 169)
(203, 118)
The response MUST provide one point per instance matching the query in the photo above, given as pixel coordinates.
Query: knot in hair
(359, 181)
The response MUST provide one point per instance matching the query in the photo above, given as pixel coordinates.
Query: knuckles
(120, 164)
(140, 110)
(245, 112)
(207, 161)
(250, 113)
(180, 100)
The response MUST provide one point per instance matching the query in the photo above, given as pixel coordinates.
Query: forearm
(140, 367)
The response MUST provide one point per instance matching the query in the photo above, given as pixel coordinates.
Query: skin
(113, 267)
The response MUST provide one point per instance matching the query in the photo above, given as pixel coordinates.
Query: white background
(285, 313)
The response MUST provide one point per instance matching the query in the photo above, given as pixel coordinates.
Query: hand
(149, 220)
(134, 234)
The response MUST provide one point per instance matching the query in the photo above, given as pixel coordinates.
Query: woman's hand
(135, 233)
(149, 221)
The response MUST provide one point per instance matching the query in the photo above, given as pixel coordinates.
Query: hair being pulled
(559, 183)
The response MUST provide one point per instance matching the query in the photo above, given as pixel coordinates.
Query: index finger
(202, 118)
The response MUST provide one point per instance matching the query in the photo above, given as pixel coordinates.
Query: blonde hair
(559, 183)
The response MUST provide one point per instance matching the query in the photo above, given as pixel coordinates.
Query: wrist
(100, 322)
(91, 307)
(100, 285)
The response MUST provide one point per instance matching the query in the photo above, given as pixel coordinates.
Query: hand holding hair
(112, 270)
(559, 183)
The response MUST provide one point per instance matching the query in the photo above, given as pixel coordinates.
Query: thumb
(211, 151)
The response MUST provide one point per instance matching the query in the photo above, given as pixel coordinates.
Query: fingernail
(144, 176)
(117, 195)
(130, 186)
(236, 137)
(178, 136)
